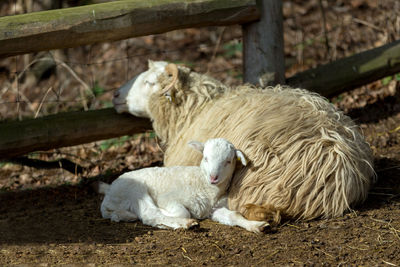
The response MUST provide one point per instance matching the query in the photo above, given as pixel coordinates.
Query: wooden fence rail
(66, 129)
(117, 20)
(350, 72)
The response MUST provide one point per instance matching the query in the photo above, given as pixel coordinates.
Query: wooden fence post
(263, 56)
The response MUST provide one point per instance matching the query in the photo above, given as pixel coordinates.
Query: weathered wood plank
(350, 72)
(66, 129)
(263, 56)
(116, 20)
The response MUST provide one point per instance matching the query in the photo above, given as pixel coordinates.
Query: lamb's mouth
(216, 181)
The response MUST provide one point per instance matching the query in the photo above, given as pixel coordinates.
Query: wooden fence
(262, 44)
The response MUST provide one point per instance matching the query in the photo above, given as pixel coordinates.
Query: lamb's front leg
(123, 215)
(234, 218)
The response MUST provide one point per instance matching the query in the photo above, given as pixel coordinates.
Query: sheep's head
(219, 159)
(133, 97)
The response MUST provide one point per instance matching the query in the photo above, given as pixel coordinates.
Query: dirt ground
(52, 216)
(60, 225)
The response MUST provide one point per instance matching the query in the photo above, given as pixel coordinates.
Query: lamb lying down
(168, 197)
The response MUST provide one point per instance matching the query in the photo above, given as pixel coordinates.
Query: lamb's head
(219, 159)
(133, 97)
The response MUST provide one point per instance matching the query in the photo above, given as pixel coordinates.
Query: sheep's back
(306, 157)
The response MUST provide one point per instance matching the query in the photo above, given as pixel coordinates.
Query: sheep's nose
(116, 94)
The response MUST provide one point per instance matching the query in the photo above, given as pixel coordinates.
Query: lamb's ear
(150, 63)
(196, 145)
(240, 157)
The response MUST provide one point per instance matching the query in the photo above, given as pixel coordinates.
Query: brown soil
(52, 216)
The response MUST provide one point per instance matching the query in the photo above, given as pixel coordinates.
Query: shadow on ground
(64, 214)
(381, 109)
(387, 187)
(70, 214)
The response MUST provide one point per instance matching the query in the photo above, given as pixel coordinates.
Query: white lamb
(168, 197)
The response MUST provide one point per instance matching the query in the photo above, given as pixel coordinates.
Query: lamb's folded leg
(172, 208)
(175, 210)
(152, 215)
(234, 218)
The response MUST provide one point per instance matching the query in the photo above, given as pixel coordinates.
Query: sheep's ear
(196, 145)
(150, 64)
(240, 157)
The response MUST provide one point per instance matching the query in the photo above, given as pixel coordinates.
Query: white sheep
(308, 159)
(168, 197)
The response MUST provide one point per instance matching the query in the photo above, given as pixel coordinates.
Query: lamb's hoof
(265, 227)
(259, 227)
(191, 224)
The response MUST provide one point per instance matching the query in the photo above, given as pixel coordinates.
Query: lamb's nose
(213, 178)
(116, 94)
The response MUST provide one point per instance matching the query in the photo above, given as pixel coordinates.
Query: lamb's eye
(150, 83)
(205, 159)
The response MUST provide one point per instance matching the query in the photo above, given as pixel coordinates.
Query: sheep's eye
(205, 159)
(228, 162)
